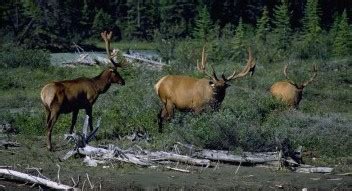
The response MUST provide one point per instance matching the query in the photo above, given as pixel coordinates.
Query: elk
(187, 93)
(69, 96)
(290, 92)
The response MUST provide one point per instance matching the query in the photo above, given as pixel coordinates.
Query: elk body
(192, 94)
(290, 92)
(70, 96)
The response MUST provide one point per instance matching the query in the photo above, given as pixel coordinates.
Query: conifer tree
(282, 29)
(238, 42)
(342, 40)
(101, 22)
(203, 24)
(311, 23)
(263, 26)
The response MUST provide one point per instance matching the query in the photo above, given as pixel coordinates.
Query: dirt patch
(33, 153)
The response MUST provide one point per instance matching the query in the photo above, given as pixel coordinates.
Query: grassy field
(249, 119)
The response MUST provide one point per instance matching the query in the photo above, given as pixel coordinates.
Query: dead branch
(177, 169)
(35, 180)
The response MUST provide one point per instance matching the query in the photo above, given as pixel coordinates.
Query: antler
(202, 66)
(315, 73)
(250, 67)
(107, 39)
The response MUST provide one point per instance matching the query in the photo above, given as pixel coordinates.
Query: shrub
(13, 57)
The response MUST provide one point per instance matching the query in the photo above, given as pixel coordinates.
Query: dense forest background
(55, 24)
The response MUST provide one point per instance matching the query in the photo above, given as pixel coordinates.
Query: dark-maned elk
(69, 96)
(186, 93)
(290, 92)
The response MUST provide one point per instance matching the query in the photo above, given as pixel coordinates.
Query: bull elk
(290, 92)
(69, 96)
(187, 93)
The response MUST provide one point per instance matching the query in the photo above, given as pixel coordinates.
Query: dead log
(314, 169)
(35, 180)
(225, 156)
(165, 156)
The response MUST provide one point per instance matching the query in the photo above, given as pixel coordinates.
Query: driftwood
(226, 156)
(196, 156)
(35, 180)
(7, 144)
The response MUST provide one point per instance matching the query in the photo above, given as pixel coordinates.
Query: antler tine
(202, 66)
(250, 66)
(285, 72)
(315, 73)
(107, 39)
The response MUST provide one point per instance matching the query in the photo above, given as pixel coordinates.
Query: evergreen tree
(102, 21)
(238, 42)
(203, 24)
(343, 37)
(311, 23)
(282, 29)
(263, 26)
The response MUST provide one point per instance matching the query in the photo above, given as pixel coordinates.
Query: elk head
(220, 84)
(289, 91)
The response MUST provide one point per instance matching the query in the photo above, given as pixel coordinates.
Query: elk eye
(211, 83)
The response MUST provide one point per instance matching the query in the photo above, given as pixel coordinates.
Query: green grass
(249, 119)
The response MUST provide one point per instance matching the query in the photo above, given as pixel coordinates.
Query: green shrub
(13, 57)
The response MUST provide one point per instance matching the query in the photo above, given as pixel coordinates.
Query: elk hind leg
(53, 116)
(165, 113)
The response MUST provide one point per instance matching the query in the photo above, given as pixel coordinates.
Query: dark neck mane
(102, 81)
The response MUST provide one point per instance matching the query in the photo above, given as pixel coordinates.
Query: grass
(249, 119)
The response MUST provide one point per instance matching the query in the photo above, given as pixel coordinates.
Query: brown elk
(290, 92)
(69, 96)
(186, 93)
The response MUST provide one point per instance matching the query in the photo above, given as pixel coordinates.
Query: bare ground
(33, 153)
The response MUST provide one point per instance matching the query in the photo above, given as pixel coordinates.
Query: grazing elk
(192, 94)
(290, 92)
(69, 96)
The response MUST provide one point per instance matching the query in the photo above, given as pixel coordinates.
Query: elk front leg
(165, 113)
(73, 121)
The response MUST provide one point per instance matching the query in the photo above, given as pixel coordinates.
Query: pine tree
(311, 23)
(203, 24)
(238, 42)
(342, 40)
(263, 26)
(102, 21)
(282, 29)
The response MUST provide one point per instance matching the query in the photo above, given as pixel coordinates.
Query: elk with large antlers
(69, 96)
(186, 93)
(290, 92)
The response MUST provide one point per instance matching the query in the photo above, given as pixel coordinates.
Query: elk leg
(165, 113)
(73, 121)
(50, 124)
(90, 120)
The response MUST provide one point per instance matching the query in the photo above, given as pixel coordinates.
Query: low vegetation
(248, 120)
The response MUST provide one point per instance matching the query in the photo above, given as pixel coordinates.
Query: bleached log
(7, 144)
(178, 169)
(151, 62)
(162, 156)
(225, 156)
(35, 180)
(314, 170)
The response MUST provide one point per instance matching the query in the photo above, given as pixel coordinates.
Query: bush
(13, 57)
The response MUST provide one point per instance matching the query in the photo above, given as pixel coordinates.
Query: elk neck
(102, 82)
(218, 96)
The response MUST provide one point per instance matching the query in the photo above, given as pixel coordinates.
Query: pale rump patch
(157, 85)
(47, 95)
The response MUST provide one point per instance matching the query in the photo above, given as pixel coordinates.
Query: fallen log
(165, 156)
(35, 180)
(314, 169)
(225, 156)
